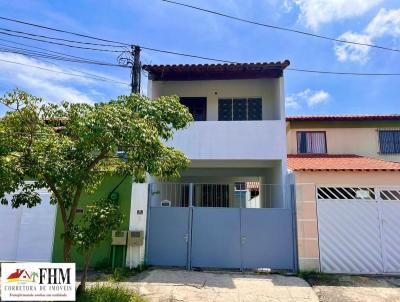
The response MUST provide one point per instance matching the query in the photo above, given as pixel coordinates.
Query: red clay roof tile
(340, 162)
(356, 117)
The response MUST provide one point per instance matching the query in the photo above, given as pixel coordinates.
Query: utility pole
(136, 66)
(132, 58)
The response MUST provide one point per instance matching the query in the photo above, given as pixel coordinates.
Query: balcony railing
(232, 140)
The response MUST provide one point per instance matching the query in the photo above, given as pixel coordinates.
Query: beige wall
(270, 90)
(360, 141)
(307, 224)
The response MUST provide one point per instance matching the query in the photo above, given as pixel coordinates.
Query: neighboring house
(375, 136)
(230, 208)
(347, 192)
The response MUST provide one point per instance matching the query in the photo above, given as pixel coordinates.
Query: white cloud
(313, 13)
(318, 97)
(51, 86)
(291, 102)
(385, 23)
(288, 5)
(307, 97)
(352, 52)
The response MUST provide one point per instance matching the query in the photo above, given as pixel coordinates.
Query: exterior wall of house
(359, 138)
(307, 223)
(270, 90)
(231, 140)
(102, 255)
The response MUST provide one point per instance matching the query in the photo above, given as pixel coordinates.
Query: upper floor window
(389, 141)
(239, 109)
(197, 106)
(311, 142)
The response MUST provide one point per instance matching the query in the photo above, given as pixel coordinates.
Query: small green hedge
(109, 293)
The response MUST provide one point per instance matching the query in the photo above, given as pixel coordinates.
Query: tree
(100, 217)
(69, 148)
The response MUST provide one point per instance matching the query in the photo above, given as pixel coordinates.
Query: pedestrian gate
(196, 231)
(359, 229)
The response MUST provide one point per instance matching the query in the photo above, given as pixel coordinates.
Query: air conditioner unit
(135, 238)
(118, 237)
(166, 203)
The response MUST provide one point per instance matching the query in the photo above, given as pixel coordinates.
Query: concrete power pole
(136, 66)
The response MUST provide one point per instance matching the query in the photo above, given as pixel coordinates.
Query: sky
(156, 24)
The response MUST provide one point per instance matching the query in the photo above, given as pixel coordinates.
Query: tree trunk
(85, 270)
(67, 249)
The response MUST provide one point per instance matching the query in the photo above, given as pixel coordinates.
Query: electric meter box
(135, 238)
(119, 237)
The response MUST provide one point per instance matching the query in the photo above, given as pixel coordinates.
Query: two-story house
(230, 208)
(348, 191)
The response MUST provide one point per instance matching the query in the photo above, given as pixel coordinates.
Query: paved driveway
(177, 285)
(332, 288)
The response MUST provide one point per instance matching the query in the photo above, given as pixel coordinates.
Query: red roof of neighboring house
(226, 71)
(341, 118)
(341, 162)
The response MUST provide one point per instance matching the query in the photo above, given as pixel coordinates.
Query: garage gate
(27, 234)
(197, 227)
(359, 229)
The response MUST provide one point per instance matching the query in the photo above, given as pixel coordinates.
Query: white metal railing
(219, 195)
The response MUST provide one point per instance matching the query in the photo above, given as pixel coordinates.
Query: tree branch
(78, 191)
(58, 196)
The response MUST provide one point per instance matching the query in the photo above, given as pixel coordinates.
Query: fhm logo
(21, 275)
(45, 276)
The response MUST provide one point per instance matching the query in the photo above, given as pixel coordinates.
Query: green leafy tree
(69, 148)
(99, 218)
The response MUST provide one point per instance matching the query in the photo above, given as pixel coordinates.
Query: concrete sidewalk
(177, 285)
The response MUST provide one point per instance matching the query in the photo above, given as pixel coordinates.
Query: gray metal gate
(359, 229)
(201, 228)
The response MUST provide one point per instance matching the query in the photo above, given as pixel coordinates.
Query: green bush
(109, 293)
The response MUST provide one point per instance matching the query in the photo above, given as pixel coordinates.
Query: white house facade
(230, 208)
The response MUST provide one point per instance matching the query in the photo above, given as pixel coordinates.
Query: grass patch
(316, 278)
(109, 293)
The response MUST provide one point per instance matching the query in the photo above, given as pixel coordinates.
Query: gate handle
(186, 237)
(243, 239)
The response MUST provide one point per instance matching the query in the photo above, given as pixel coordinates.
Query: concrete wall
(232, 140)
(307, 223)
(356, 138)
(270, 90)
(101, 258)
(137, 222)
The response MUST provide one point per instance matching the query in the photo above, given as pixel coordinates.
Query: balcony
(227, 140)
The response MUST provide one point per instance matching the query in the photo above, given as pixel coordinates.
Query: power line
(188, 55)
(343, 73)
(210, 58)
(49, 54)
(278, 27)
(63, 31)
(95, 77)
(58, 39)
(59, 43)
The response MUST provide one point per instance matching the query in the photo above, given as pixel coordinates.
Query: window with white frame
(389, 141)
(311, 142)
(239, 109)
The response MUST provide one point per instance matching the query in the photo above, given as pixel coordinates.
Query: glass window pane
(254, 109)
(239, 109)
(225, 109)
(311, 142)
